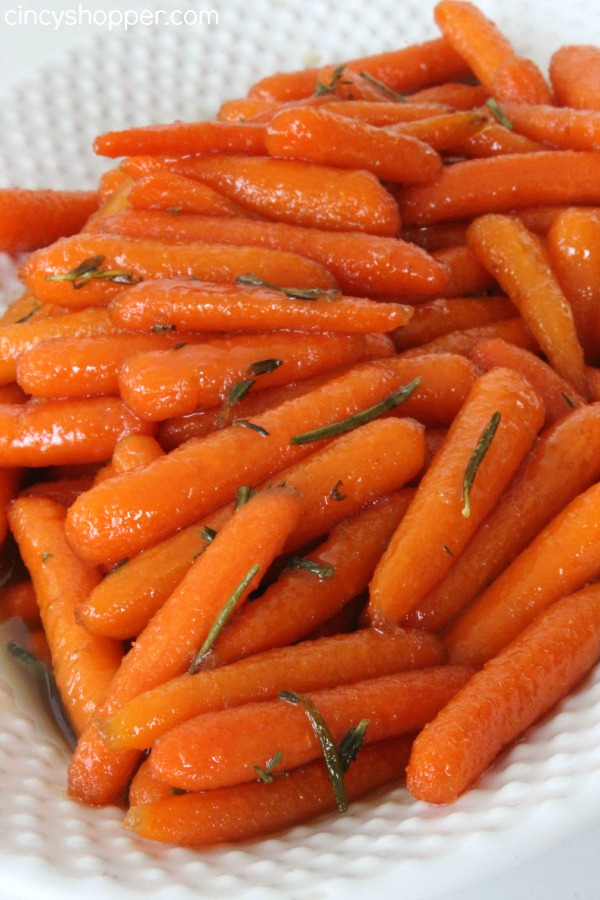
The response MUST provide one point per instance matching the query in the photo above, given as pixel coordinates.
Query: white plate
(542, 792)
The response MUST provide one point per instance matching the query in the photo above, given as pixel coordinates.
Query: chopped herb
(179, 346)
(567, 399)
(177, 792)
(351, 744)
(360, 418)
(291, 293)
(238, 391)
(335, 493)
(34, 308)
(90, 268)
(174, 210)
(265, 774)
(244, 493)
(162, 329)
(447, 550)
(118, 565)
(394, 95)
(246, 424)
(48, 684)
(321, 570)
(222, 619)
(498, 113)
(321, 88)
(483, 445)
(46, 557)
(264, 366)
(331, 753)
(207, 534)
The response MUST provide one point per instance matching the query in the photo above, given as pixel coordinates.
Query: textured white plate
(542, 792)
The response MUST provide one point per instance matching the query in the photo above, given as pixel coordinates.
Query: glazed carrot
(345, 621)
(487, 52)
(561, 559)
(10, 482)
(371, 461)
(200, 754)
(233, 565)
(249, 810)
(593, 379)
(573, 246)
(135, 450)
(203, 306)
(85, 366)
(21, 337)
(540, 219)
(502, 183)
(52, 274)
(12, 393)
(175, 193)
(561, 127)
(436, 237)
(512, 692)
(163, 383)
(572, 448)
(362, 264)
(182, 139)
(32, 219)
(466, 275)
(439, 317)
(19, 600)
(297, 603)
(62, 432)
(83, 664)
(520, 80)
(64, 490)
(441, 517)
(518, 262)
(558, 395)
(575, 76)
(243, 109)
(25, 309)
(452, 93)
(512, 331)
(322, 137)
(443, 132)
(284, 86)
(300, 193)
(109, 182)
(495, 139)
(308, 666)
(379, 113)
(145, 788)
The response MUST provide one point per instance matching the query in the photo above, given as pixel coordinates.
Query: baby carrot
(204, 306)
(308, 666)
(436, 318)
(322, 137)
(145, 788)
(248, 810)
(110, 263)
(519, 263)
(63, 432)
(19, 600)
(10, 483)
(466, 275)
(520, 80)
(162, 383)
(283, 86)
(363, 264)
(378, 113)
(135, 450)
(200, 754)
(500, 702)
(445, 131)
(32, 219)
(219, 579)
(512, 331)
(442, 518)
(501, 183)
(83, 664)
(561, 127)
(64, 490)
(182, 139)
(561, 559)
(177, 194)
(456, 94)
(575, 76)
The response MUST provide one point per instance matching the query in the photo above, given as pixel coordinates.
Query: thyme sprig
(89, 269)
(265, 774)
(329, 88)
(292, 293)
(321, 570)
(498, 113)
(478, 455)
(388, 91)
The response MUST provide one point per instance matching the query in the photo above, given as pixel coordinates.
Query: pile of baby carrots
(300, 435)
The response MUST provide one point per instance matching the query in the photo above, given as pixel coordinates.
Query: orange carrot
(520, 80)
(322, 137)
(32, 219)
(561, 127)
(244, 109)
(62, 432)
(575, 76)
(285, 85)
(558, 395)
(445, 131)
(466, 275)
(439, 317)
(495, 139)
(362, 264)
(219, 579)
(182, 139)
(513, 331)
(501, 183)
(442, 518)
(175, 194)
(512, 692)
(437, 237)
(203, 306)
(453, 93)
(53, 273)
(571, 447)
(19, 600)
(109, 182)
(83, 664)
(64, 490)
(145, 788)
(10, 482)
(308, 666)
(517, 260)
(249, 810)
(162, 383)
(381, 113)
(135, 450)
(200, 754)
(561, 559)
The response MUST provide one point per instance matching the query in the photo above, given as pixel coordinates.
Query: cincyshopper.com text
(111, 19)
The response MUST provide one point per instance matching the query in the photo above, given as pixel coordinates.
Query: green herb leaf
(483, 445)
(238, 391)
(265, 774)
(264, 366)
(351, 744)
(118, 565)
(49, 688)
(90, 268)
(321, 88)
(291, 293)
(360, 418)
(244, 493)
(321, 570)
(46, 557)
(393, 95)
(567, 399)
(222, 619)
(179, 346)
(335, 493)
(162, 329)
(207, 534)
(447, 550)
(246, 424)
(498, 113)
(331, 753)
(34, 308)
